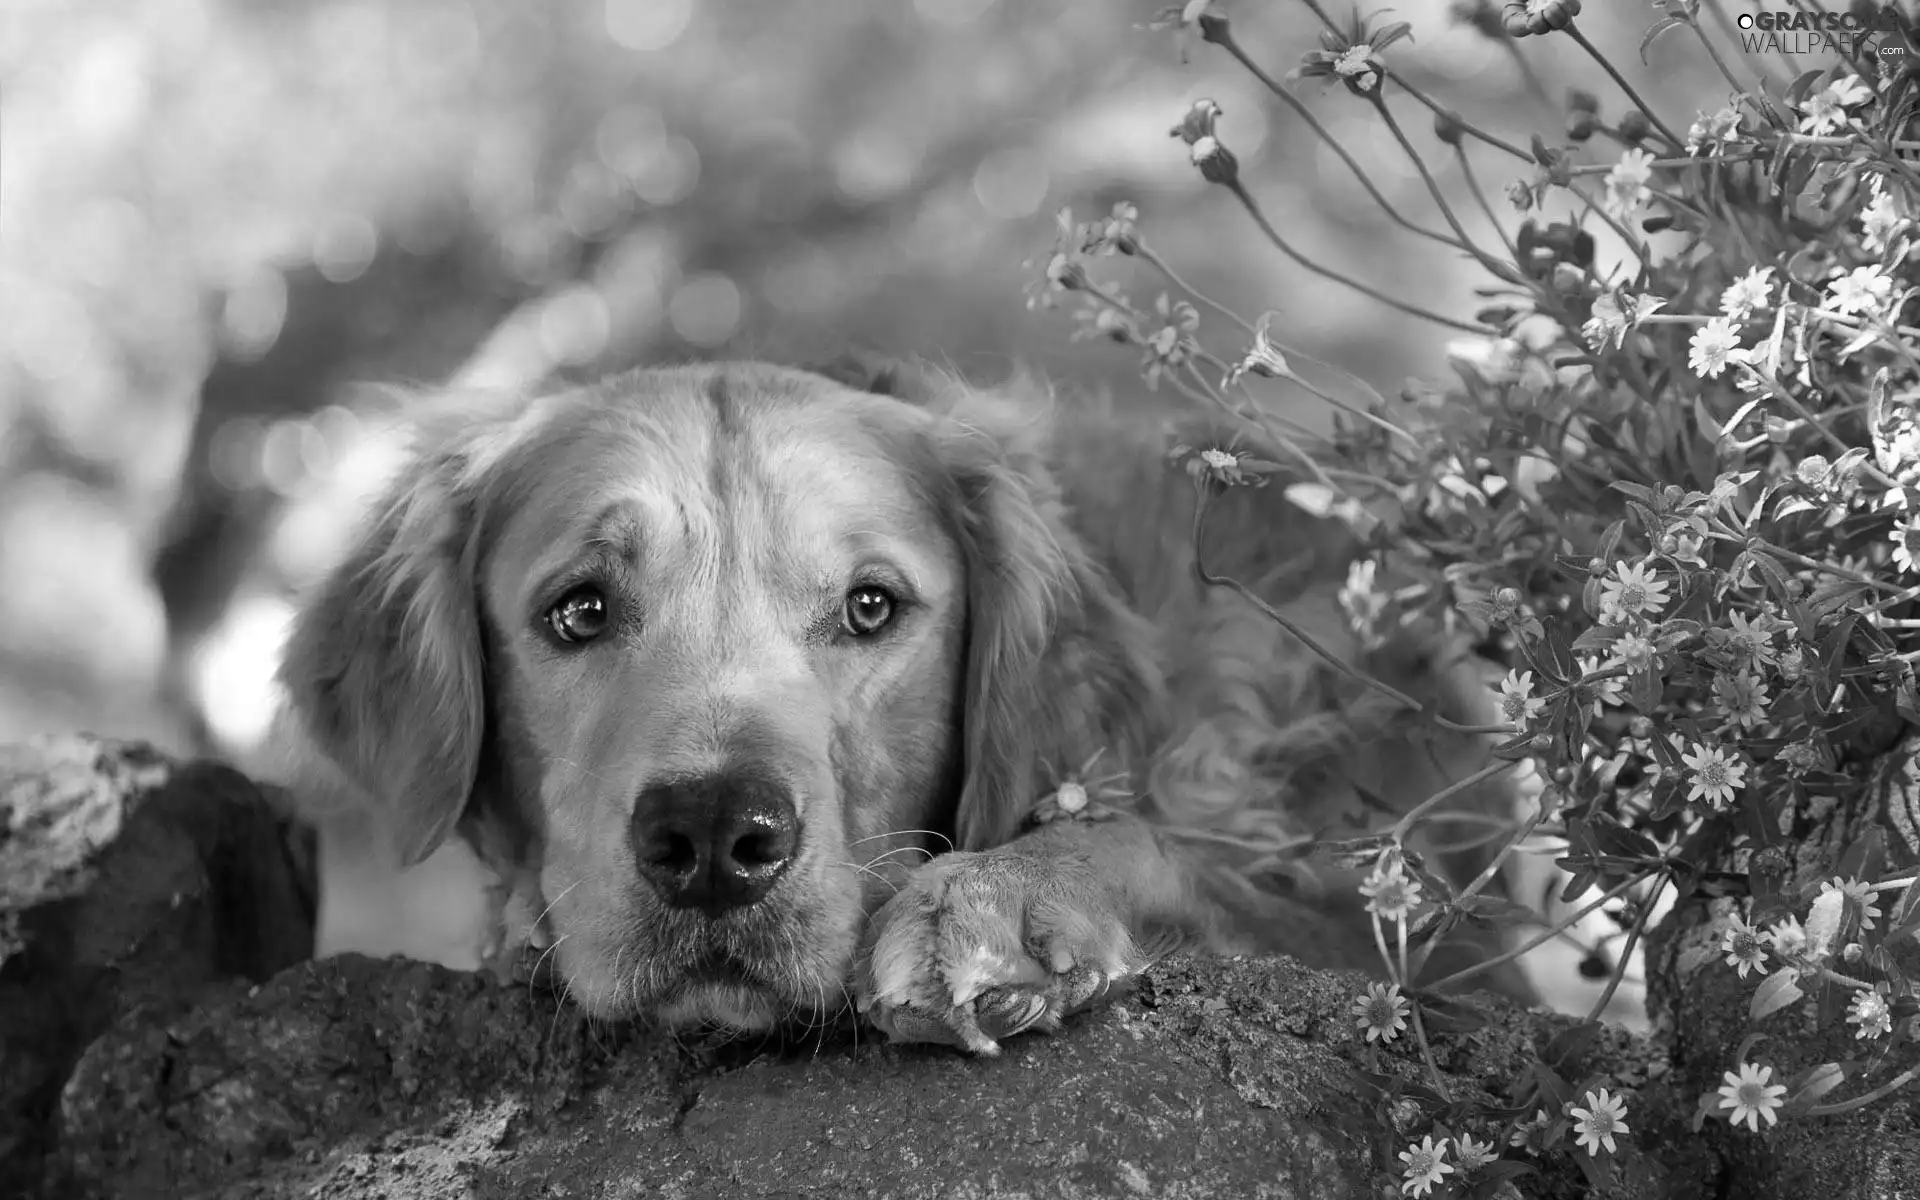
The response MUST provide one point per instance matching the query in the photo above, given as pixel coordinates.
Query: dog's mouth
(724, 991)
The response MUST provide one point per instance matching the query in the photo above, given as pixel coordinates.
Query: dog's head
(715, 647)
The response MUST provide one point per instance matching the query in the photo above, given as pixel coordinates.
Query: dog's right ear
(383, 666)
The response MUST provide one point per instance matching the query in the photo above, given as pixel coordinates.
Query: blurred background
(223, 222)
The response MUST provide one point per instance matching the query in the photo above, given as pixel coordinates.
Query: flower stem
(1426, 177)
(1687, 161)
(1325, 135)
(1489, 873)
(1434, 1076)
(1846, 1106)
(1333, 660)
(1468, 127)
(1140, 248)
(1559, 927)
(1593, 51)
(1480, 198)
(1713, 52)
(1386, 956)
(1626, 951)
(1405, 825)
(1273, 235)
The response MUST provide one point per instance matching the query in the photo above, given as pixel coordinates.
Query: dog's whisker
(557, 899)
(932, 833)
(533, 975)
(869, 871)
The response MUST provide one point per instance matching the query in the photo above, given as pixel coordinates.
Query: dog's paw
(978, 947)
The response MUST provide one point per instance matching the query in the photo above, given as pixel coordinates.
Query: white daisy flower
(1626, 187)
(1390, 893)
(1750, 291)
(1870, 1014)
(1381, 1013)
(1751, 1096)
(1425, 1165)
(1599, 1121)
(1716, 777)
(1825, 111)
(1634, 589)
(1745, 947)
(1714, 345)
(1861, 290)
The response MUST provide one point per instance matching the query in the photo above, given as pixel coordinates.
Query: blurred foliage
(220, 219)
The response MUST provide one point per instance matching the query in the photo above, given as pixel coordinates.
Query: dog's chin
(715, 995)
(723, 1005)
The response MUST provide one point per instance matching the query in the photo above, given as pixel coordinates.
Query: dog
(774, 693)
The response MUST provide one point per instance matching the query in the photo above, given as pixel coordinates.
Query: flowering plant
(1677, 485)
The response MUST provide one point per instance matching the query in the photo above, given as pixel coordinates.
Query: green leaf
(1492, 911)
(1862, 859)
(1355, 854)
(1599, 637)
(1387, 35)
(1659, 27)
(1644, 690)
(1806, 1089)
(1450, 1014)
(1570, 1043)
(1640, 492)
(1610, 540)
(1906, 912)
(1776, 993)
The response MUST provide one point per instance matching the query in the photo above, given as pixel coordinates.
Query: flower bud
(1113, 325)
(1217, 163)
(1792, 663)
(1213, 26)
(1634, 126)
(1854, 953)
(1523, 17)
(1066, 274)
(1580, 126)
(1448, 127)
(1580, 100)
(1198, 123)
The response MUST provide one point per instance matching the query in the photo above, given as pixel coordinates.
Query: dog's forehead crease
(735, 480)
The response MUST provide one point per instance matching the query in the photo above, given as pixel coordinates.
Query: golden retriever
(787, 692)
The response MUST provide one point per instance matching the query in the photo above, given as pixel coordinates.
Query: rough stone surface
(125, 881)
(355, 1079)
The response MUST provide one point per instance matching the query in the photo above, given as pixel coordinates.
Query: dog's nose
(715, 843)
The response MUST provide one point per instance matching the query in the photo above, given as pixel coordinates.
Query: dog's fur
(1050, 626)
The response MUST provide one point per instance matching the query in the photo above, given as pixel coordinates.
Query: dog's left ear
(883, 375)
(1058, 666)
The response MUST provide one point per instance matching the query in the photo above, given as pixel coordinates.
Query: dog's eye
(868, 609)
(580, 616)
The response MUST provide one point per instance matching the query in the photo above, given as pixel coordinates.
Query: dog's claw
(1010, 1011)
